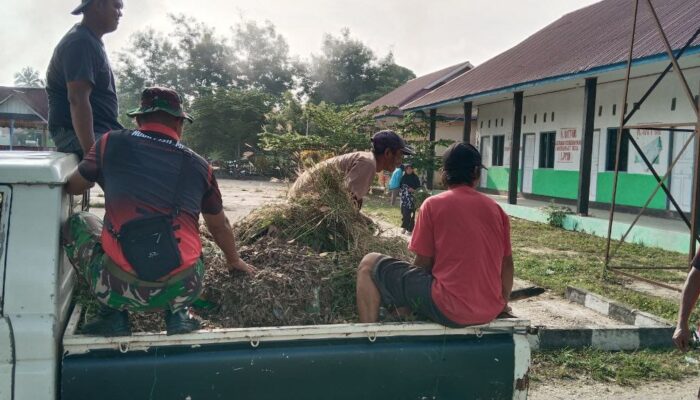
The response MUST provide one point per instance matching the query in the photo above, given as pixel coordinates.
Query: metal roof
(417, 87)
(35, 98)
(583, 40)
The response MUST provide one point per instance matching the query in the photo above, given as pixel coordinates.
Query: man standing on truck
(79, 81)
(147, 255)
(360, 167)
(463, 270)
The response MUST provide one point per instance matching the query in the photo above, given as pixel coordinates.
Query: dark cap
(79, 10)
(461, 157)
(387, 139)
(160, 99)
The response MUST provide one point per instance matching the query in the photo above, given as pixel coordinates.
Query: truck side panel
(432, 367)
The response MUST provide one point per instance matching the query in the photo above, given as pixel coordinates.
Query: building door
(682, 174)
(485, 158)
(528, 162)
(595, 160)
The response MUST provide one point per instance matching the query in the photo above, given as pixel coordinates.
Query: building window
(497, 151)
(552, 119)
(482, 124)
(544, 118)
(524, 119)
(489, 123)
(535, 121)
(501, 122)
(673, 104)
(612, 148)
(600, 111)
(614, 109)
(547, 141)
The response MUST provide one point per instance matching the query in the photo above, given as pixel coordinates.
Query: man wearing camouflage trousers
(155, 189)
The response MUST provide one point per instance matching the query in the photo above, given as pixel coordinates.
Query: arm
(223, 237)
(77, 184)
(423, 262)
(81, 112)
(507, 277)
(691, 291)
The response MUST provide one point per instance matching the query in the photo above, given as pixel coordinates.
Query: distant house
(24, 114)
(449, 126)
(582, 57)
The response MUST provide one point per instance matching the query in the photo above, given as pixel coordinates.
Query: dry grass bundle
(306, 252)
(322, 216)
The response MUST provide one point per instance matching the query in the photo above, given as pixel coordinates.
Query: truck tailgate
(352, 361)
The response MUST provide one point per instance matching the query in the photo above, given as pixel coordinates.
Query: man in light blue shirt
(395, 183)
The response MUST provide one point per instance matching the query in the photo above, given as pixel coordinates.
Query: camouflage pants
(116, 288)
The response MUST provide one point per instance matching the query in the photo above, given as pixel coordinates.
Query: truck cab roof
(34, 167)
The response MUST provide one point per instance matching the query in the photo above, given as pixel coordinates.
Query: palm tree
(28, 77)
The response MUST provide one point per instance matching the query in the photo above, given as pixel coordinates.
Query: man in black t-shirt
(79, 81)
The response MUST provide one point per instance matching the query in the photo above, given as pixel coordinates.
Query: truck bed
(348, 361)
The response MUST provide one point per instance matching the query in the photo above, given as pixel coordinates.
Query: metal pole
(431, 156)
(589, 97)
(676, 67)
(515, 148)
(467, 131)
(12, 132)
(620, 132)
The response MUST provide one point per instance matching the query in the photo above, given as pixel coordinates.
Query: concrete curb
(605, 338)
(614, 310)
(646, 330)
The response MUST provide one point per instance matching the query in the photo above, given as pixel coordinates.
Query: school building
(545, 88)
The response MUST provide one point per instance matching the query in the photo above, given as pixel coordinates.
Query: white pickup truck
(43, 357)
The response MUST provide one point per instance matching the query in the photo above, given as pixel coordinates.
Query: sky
(423, 37)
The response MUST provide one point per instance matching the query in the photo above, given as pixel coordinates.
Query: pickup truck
(43, 356)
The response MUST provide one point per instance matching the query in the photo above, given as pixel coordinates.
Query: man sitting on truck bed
(463, 270)
(147, 256)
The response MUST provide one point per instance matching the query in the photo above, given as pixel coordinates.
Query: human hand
(681, 338)
(240, 265)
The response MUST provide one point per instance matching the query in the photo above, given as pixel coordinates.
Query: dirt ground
(241, 197)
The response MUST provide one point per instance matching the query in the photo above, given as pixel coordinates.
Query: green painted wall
(555, 183)
(632, 190)
(497, 178)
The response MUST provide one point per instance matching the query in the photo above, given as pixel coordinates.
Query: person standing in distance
(80, 83)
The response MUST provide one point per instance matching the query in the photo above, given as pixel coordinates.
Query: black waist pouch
(150, 246)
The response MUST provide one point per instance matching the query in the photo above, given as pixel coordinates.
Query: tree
(288, 116)
(262, 58)
(347, 71)
(226, 121)
(28, 77)
(192, 60)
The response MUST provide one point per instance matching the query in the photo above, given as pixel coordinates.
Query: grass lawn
(555, 258)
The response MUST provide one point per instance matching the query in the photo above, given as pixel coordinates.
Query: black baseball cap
(79, 10)
(388, 139)
(461, 157)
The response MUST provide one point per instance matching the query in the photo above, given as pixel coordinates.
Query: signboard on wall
(651, 144)
(567, 146)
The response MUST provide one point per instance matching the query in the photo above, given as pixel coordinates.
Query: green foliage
(414, 128)
(622, 368)
(332, 130)
(262, 58)
(226, 121)
(556, 214)
(347, 71)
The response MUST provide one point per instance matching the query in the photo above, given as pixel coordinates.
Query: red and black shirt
(140, 173)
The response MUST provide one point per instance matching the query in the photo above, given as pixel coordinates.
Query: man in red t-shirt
(147, 256)
(463, 270)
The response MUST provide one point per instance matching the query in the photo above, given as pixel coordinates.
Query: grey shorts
(66, 141)
(402, 284)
